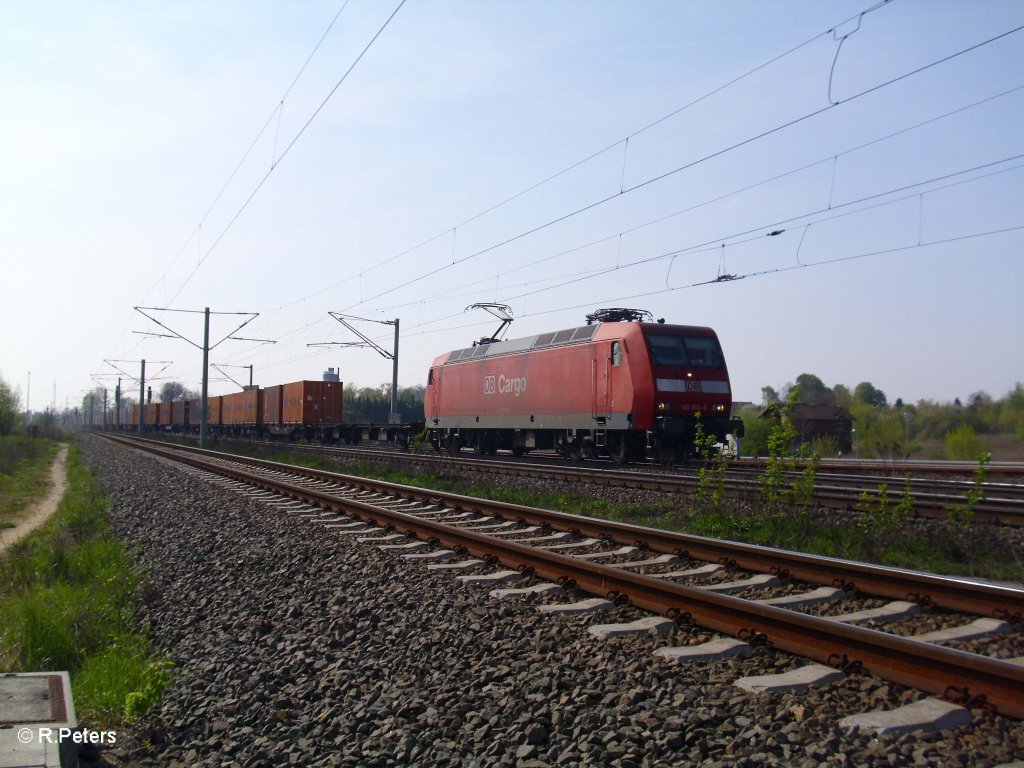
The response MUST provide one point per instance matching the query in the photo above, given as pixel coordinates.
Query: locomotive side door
(434, 384)
(601, 381)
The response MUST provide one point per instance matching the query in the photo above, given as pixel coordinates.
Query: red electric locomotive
(618, 387)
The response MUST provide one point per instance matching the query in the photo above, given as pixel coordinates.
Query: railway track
(795, 602)
(1000, 503)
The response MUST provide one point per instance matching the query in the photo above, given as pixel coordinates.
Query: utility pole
(204, 407)
(142, 397)
(142, 384)
(393, 417)
(117, 404)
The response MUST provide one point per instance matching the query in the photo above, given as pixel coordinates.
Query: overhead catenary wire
(248, 151)
(725, 196)
(451, 230)
(287, 149)
(684, 167)
(709, 245)
(715, 243)
(308, 326)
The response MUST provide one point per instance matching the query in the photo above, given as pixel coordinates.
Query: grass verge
(24, 471)
(950, 549)
(67, 602)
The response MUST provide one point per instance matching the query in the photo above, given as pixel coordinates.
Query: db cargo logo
(504, 385)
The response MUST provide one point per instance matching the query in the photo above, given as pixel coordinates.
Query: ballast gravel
(294, 646)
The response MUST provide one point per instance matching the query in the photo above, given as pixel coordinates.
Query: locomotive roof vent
(620, 315)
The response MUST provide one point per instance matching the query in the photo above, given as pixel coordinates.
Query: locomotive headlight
(720, 408)
(663, 407)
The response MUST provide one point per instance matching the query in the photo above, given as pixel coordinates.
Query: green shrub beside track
(67, 601)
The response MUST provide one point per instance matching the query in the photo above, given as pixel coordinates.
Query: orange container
(215, 412)
(311, 402)
(271, 397)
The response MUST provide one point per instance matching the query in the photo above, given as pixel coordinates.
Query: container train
(619, 386)
(306, 410)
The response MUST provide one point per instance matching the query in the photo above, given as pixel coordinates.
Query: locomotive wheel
(618, 449)
(575, 451)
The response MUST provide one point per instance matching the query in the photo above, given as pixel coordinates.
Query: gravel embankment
(295, 647)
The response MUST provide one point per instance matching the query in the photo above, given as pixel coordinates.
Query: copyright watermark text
(44, 735)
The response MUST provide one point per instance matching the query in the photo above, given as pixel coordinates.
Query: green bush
(963, 444)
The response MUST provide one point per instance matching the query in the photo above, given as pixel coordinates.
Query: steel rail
(984, 599)
(964, 677)
(833, 491)
(1000, 503)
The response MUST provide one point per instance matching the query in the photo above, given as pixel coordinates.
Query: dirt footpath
(37, 514)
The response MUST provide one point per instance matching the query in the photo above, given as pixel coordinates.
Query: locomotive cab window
(703, 351)
(667, 350)
(697, 351)
(616, 353)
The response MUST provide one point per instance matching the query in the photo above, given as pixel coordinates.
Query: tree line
(884, 430)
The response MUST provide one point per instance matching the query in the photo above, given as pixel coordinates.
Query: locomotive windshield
(685, 350)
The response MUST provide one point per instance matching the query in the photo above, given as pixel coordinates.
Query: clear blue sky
(901, 203)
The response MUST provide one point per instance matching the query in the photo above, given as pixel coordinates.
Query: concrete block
(609, 553)
(760, 581)
(977, 628)
(498, 577)
(887, 613)
(34, 709)
(810, 676)
(592, 605)
(689, 573)
(820, 595)
(547, 588)
(460, 566)
(649, 625)
(713, 650)
(921, 717)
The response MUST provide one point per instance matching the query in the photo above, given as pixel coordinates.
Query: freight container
(311, 402)
(152, 414)
(272, 405)
(243, 408)
(214, 413)
(179, 413)
(231, 410)
(252, 407)
(166, 410)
